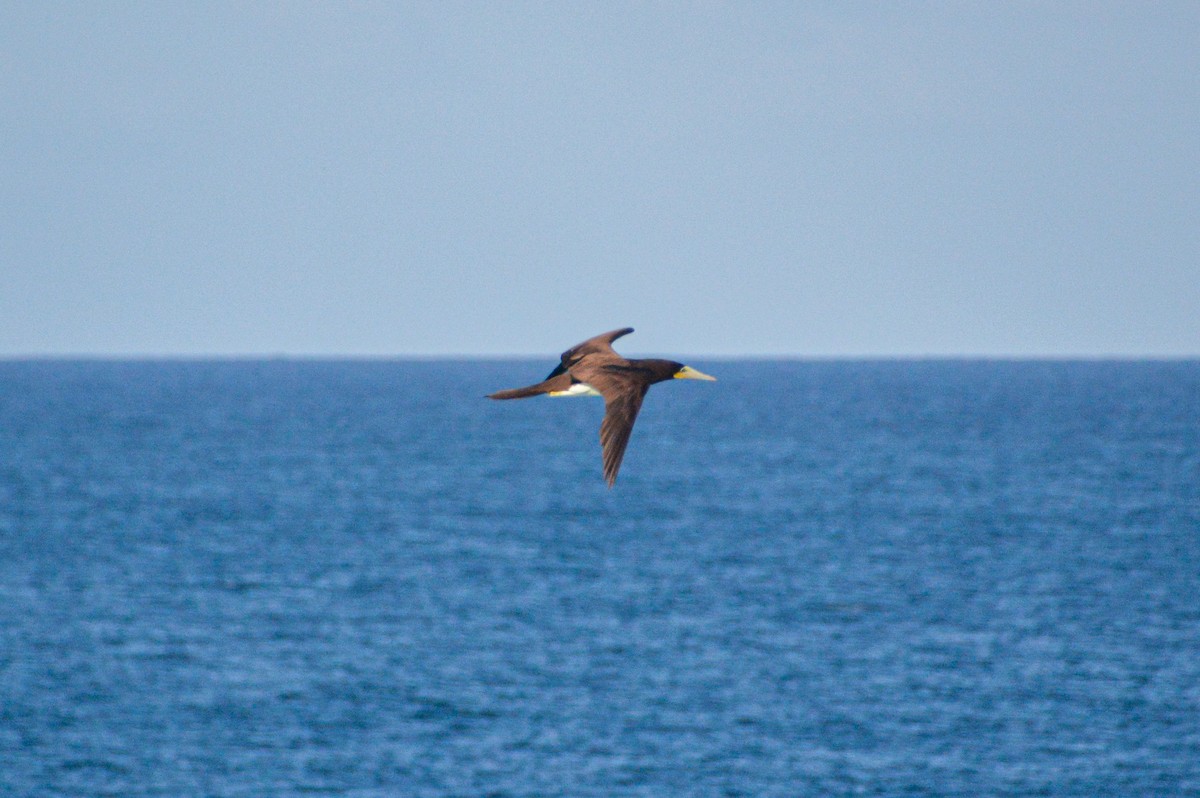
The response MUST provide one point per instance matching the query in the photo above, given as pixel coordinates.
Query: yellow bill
(689, 373)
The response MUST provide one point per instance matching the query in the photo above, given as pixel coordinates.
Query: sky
(809, 179)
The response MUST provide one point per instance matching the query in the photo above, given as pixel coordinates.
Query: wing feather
(620, 411)
(596, 345)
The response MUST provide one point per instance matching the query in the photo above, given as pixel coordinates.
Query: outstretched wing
(620, 411)
(600, 344)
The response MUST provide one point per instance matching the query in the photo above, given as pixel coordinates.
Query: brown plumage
(593, 367)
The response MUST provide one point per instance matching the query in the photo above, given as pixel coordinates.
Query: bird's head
(683, 372)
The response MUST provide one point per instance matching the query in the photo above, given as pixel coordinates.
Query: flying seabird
(592, 368)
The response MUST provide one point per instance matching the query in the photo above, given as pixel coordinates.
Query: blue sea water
(299, 578)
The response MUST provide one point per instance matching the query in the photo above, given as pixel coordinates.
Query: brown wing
(596, 345)
(620, 411)
(623, 386)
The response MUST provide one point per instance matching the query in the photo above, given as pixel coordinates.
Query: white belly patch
(578, 389)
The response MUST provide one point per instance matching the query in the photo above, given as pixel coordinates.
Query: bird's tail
(518, 393)
(559, 382)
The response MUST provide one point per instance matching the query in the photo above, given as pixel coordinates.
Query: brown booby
(592, 368)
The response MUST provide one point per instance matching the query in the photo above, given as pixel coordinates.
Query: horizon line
(411, 356)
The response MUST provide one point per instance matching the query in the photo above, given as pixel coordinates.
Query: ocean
(813, 578)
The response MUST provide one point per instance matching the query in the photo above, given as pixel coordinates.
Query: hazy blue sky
(814, 179)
